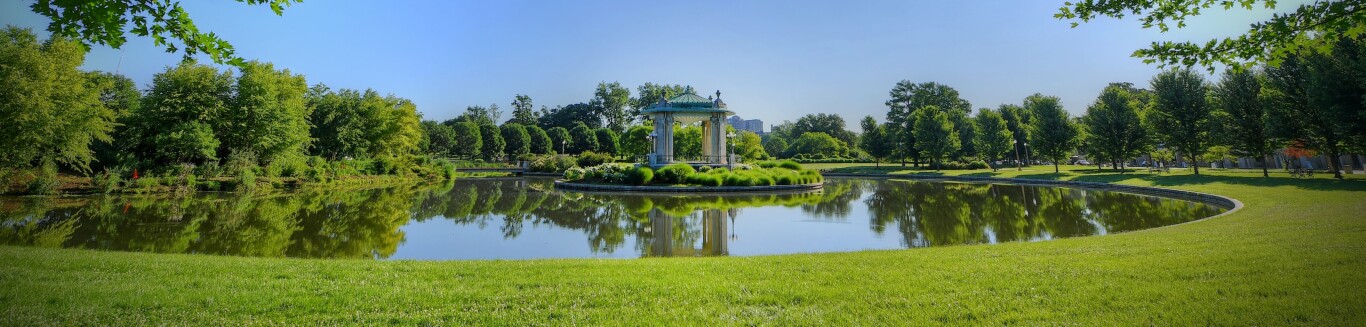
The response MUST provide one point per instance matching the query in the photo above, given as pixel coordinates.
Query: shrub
(146, 183)
(789, 164)
(384, 166)
(590, 159)
(552, 163)
(44, 183)
(674, 174)
(702, 179)
(737, 180)
(574, 174)
(106, 181)
(640, 175)
(246, 181)
(767, 164)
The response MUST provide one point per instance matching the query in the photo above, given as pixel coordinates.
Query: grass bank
(1296, 254)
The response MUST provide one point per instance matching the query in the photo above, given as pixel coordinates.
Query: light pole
(562, 143)
(730, 153)
(1016, 144)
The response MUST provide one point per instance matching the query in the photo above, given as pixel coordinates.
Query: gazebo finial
(718, 94)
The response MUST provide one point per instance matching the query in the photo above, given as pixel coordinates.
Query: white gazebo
(690, 108)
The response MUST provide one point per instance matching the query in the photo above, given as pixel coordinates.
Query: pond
(518, 218)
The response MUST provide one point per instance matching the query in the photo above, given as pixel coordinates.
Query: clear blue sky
(772, 60)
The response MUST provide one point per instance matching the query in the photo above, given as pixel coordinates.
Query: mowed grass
(1296, 254)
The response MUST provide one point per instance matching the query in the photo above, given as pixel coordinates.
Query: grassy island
(764, 173)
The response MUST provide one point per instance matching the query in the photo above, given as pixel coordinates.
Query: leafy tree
(1115, 131)
(540, 141)
(522, 113)
(1180, 112)
(493, 142)
(582, 138)
(875, 140)
(906, 99)
(469, 139)
(1238, 97)
(441, 138)
(651, 93)
(559, 138)
(1018, 121)
(337, 126)
(185, 100)
(966, 129)
(570, 116)
(614, 100)
(775, 146)
(687, 141)
(935, 136)
(1308, 104)
(268, 114)
(819, 145)
(1054, 135)
(105, 22)
(831, 124)
(1219, 153)
(517, 140)
(608, 141)
(121, 95)
(50, 110)
(1313, 26)
(749, 146)
(993, 137)
(482, 115)
(636, 141)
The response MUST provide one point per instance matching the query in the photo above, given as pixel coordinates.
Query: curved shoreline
(1206, 198)
(561, 184)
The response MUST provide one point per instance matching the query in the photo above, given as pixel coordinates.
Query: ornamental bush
(674, 174)
(640, 175)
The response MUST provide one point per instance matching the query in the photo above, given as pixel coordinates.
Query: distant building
(741, 124)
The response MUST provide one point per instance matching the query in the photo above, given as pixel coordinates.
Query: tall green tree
(120, 95)
(570, 116)
(106, 22)
(650, 93)
(540, 141)
(1238, 96)
(582, 138)
(493, 142)
(817, 145)
(560, 139)
(441, 139)
(907, 98)
(875, 140)
(517, 140)
(1310, 27)
(1018, 121)
(51, 111)
(687, 141)
(775, 146)
(1115, 131)
(1180, 113)
(1054, 134)
(1307, 107)
(993, 137)
(469, 139)
(935, 135)
(831, 124)
(966, 128)
(614, 101)
(482, 115)
(178, 114)
(608, 141)
(522, 112)
(636, 141)
(749, 146)
(268, 114)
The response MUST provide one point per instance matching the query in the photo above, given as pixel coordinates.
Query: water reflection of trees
(318, 224)
(365, 224)
(930, 214)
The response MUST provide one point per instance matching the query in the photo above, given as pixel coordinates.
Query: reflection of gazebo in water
(686, 109)
(714, 234)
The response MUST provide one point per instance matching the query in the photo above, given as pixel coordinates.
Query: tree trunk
(1265, 173)
(1195, 164)
(1055, 166)
(1335, 162)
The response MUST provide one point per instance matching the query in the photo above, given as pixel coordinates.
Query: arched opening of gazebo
(689, 108)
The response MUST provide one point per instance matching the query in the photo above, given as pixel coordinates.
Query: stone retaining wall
(559, 184)
(1206, 198)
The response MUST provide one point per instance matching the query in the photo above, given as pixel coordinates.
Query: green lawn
(1296, 254)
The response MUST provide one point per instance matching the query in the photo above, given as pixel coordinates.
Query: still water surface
(516, 218)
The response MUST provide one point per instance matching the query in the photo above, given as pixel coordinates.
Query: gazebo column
(706, 142)
(716, 138)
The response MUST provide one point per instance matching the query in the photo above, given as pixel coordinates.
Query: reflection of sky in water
(526, 218)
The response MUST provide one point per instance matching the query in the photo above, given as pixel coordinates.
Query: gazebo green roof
(688, 102)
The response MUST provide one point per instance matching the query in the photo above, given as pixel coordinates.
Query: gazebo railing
(667, 159)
